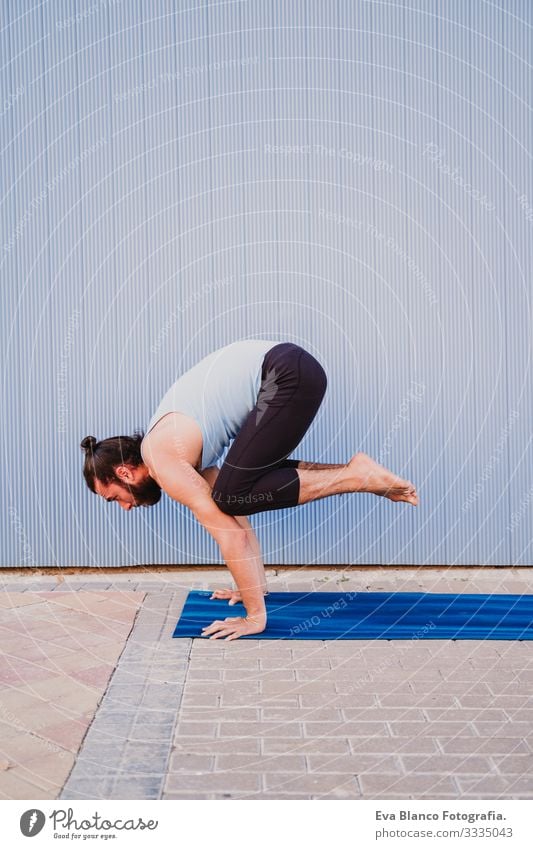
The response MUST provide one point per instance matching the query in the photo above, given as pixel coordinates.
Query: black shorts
(256, 474)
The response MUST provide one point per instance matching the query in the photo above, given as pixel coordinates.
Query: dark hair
(102, 458)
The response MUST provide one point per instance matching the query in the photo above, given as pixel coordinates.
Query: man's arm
(210, 474)
(182, 483)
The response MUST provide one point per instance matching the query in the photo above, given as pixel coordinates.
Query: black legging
(256, 474)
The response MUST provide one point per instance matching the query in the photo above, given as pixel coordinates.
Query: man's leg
(256, 474)
(361, 474)
(303, 464)
(257, 467)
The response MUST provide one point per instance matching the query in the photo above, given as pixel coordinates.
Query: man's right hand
(233, 628)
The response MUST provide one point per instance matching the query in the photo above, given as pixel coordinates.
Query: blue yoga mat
(372, 616)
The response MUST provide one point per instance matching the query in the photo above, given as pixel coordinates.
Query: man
(260, 396)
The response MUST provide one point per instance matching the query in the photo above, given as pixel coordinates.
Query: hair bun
(89, 443)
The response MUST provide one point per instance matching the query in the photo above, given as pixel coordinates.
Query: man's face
(135, 489)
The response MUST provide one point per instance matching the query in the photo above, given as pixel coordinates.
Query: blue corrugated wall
(354, 176)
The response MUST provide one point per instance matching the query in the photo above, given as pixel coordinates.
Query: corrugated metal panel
(353, 176)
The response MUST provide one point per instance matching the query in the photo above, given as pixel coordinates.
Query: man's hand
(234, 596)
(233, 628)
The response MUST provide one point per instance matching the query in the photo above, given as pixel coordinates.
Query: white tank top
(218, 392)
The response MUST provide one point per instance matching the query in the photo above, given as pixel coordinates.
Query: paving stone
(220, 714)
(103, 755)
(514, 786)
(201, 729)
(228, 797)
(326, 745)
(501, 680)
(16, 785)
(220, 688)
(226, 782)
(395, 745)
(391, 715)
(191, 700)
(24, 747)
(271, 663)
(354, 764)
(465, 714)
(120, 696)
(259, 701)
(455, 688)
(319, 664)
(88, 769)
(433, 729)
(209, 674)
(210, 649)
(154, 733)
(102, 737)
(374, 785)
(359, 679)
(425, 700)
(514, 764)
(260, 729)
(509, 728)
(286, 672)
(36, 718)
(336, 700)
(112, 717)
(239, 745)
(446, 764)
(68, 733)
(190, 762)
(154, 716)
(289, 688)
(261, 763)
(510, 688)
(345, 729)
(263, 675)
(503, 702)
(525, 675)
(291, 714)
(146, 634)
(49, 770)
(136, 787)
(153, 702)
(146, 759)
(483, 745)
(332, 785)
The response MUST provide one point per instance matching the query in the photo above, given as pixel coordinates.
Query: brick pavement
(260, 719)
(58, 652)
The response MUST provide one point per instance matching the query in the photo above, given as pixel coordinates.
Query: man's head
(114, 469)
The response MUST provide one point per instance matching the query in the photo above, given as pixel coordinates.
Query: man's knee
(314, 377)
(322, 380)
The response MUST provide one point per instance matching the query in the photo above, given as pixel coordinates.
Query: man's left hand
(234, 627)
(233, 596)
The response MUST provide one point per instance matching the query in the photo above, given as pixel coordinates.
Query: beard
(147, 493)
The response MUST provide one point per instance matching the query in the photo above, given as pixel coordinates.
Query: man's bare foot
(369, 476)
